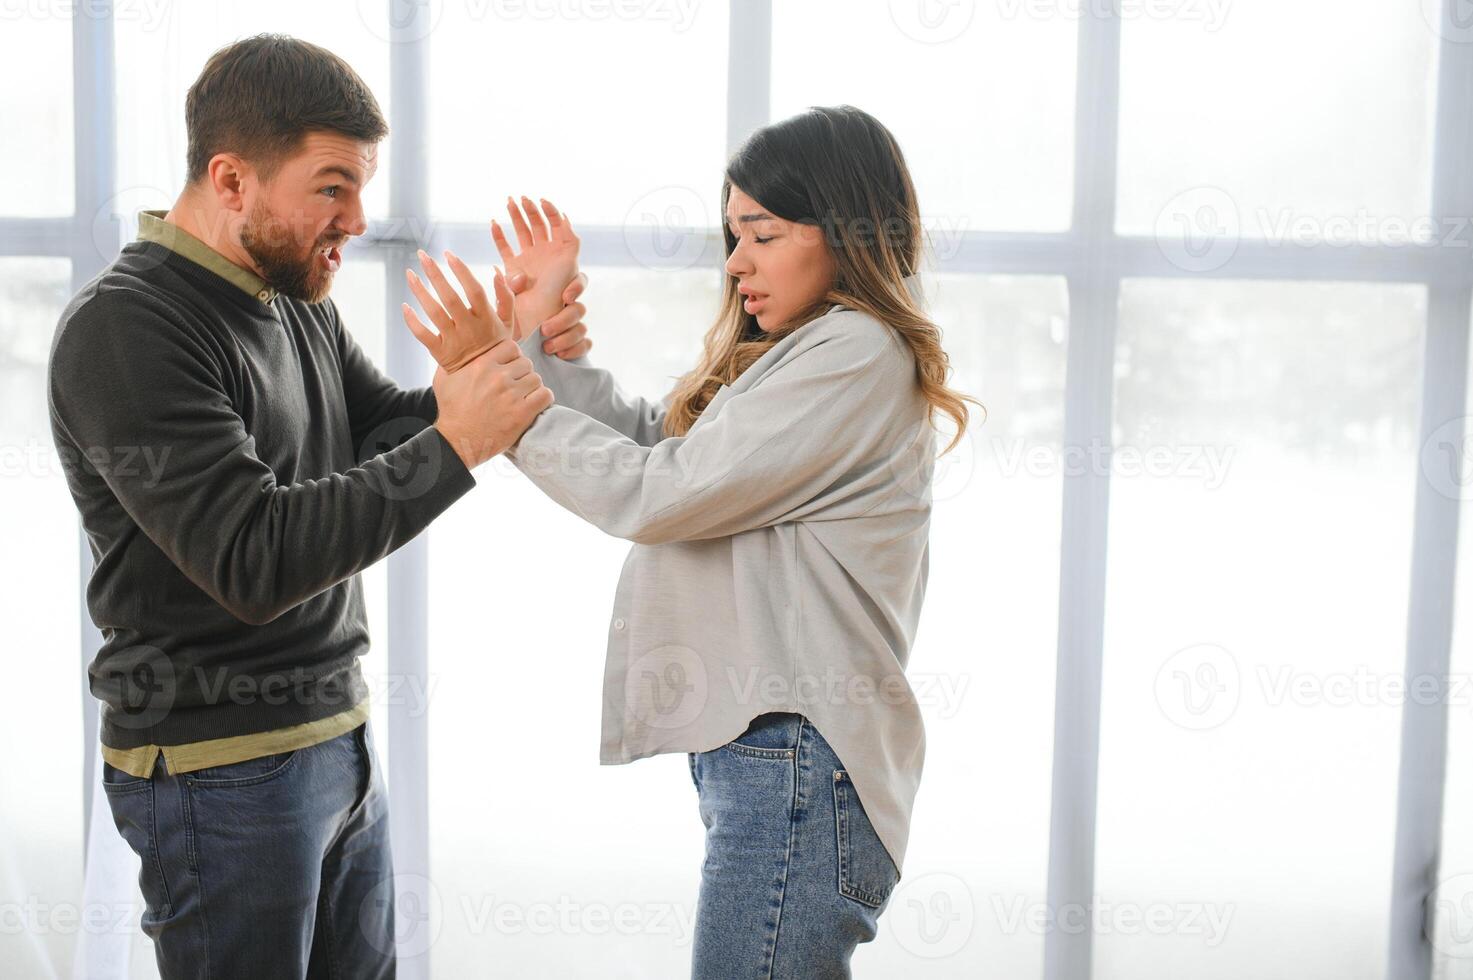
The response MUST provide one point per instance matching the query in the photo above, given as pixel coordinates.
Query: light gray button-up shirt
(780, 549)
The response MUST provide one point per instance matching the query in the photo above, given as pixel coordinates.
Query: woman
(779, 501)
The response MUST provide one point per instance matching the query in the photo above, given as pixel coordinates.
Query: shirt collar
(153, 228)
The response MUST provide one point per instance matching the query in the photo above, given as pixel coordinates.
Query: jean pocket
(866, 873)
(247, 772)
(770, 736)
(134, 810)
(115, 781)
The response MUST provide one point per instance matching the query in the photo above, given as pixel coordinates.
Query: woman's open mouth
(753, 302)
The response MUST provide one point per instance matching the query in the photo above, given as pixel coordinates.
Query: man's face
(309, 208)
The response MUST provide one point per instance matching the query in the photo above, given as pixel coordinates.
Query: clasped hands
(486, 390)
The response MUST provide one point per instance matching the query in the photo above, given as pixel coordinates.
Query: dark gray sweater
(236, 462)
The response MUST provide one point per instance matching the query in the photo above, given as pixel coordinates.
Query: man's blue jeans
(795, 877)
(274, 867)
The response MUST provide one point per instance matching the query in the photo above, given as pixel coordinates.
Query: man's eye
(330, 191)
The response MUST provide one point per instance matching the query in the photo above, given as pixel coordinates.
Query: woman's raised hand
(466, 328)
(546, 253)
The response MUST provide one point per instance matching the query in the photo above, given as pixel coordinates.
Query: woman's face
(781, 267)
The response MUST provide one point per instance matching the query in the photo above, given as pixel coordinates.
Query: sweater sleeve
(124, 373)
(807, 443)
(579, 385)
(373, 398)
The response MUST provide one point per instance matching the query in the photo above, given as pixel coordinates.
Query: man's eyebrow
(340, 170)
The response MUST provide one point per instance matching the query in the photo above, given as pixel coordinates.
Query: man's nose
(355, 221)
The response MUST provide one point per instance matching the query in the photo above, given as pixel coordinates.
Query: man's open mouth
(331, 257)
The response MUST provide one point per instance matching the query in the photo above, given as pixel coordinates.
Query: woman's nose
(736, 262)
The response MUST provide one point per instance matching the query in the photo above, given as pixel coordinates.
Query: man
(238, 764)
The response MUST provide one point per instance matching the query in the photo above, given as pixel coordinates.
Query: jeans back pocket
(866, 873)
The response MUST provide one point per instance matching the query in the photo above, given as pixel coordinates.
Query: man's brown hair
(261, 96)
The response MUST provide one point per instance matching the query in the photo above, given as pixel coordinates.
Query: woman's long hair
(837, 168)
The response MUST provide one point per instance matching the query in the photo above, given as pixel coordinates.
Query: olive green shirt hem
(237, 748)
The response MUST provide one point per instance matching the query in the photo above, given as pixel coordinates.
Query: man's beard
(273, 248)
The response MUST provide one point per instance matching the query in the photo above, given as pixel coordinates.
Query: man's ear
(226, 177)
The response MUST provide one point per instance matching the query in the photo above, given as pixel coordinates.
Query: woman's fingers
(562, 231)
(519, 225)
(534, 219)
(567, 341)
(575, 288)
(563, 320)
(502, 245)
(432, 308)
(421, 332)
(468, 281)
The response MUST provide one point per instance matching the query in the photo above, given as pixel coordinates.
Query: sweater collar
(153, 228)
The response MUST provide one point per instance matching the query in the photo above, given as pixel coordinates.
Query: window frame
(1092, 257)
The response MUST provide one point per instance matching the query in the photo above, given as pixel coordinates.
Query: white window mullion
(407, 745)
(1423, 768)
(1088, 394)
(748, 70)
(94, 123)
(108, 877)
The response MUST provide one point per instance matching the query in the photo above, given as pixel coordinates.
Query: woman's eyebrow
(747, 219)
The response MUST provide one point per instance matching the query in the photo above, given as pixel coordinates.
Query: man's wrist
(460, 446)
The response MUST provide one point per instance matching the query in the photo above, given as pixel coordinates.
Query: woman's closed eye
(758, 239)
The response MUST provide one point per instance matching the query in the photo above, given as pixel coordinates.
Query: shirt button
(618, 624)
(263, 295)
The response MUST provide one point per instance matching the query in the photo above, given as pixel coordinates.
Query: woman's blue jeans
(795, 877)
